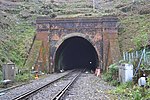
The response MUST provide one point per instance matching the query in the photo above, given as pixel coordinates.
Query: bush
(113, 68)
(24, 77)
(137, 95)
(107, 77)
(111, 75)
(114, 82)
(127, 90)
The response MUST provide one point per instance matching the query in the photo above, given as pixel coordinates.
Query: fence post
(124, 56)
(139, 62)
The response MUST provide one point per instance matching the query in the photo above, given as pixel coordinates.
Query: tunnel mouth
(75, 53)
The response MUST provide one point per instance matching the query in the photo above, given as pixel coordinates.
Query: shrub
(137, 95)
(114, 82)
(107, 77)
(127, 90)
(23, 77)
(113, 68)
(111, 75)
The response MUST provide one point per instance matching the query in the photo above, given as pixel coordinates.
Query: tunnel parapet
(101, 32)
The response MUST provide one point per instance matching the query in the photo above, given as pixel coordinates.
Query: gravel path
(28, 87)
(89, 87)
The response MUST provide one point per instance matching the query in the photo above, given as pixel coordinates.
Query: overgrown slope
(17, 21)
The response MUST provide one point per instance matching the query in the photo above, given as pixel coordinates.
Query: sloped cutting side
(34, 54)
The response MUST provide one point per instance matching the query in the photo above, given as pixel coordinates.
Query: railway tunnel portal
(76, 43)
(76, 52)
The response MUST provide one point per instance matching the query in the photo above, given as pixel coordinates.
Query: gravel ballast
(50, 92)
(89, 87)
(86, 87)
(9, 95)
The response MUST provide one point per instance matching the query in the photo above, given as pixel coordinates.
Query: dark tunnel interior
(76, 52)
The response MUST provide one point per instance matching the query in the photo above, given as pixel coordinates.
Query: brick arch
(84, 36)
(101, 32)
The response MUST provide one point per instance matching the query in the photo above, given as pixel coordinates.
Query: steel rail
(15, 86)
(12, 87)
(62, 92)
(27, 94)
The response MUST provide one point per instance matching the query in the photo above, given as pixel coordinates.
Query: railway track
(62, 92)
(12, 87)
(15, 86)
(53, 90)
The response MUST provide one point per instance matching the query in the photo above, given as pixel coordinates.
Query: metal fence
(136, 55)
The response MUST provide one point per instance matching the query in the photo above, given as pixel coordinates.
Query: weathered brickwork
(100, 32)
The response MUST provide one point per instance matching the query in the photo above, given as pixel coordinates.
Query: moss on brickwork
(34, 54)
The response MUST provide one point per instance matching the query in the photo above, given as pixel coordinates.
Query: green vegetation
(132, 92)
(141, 40)
(15, 50)
(24, 77)
(127, 90)
(15, 47)
(32, 58)
(1, 75)
(135, 32)
(16, 30)
(111, 75)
